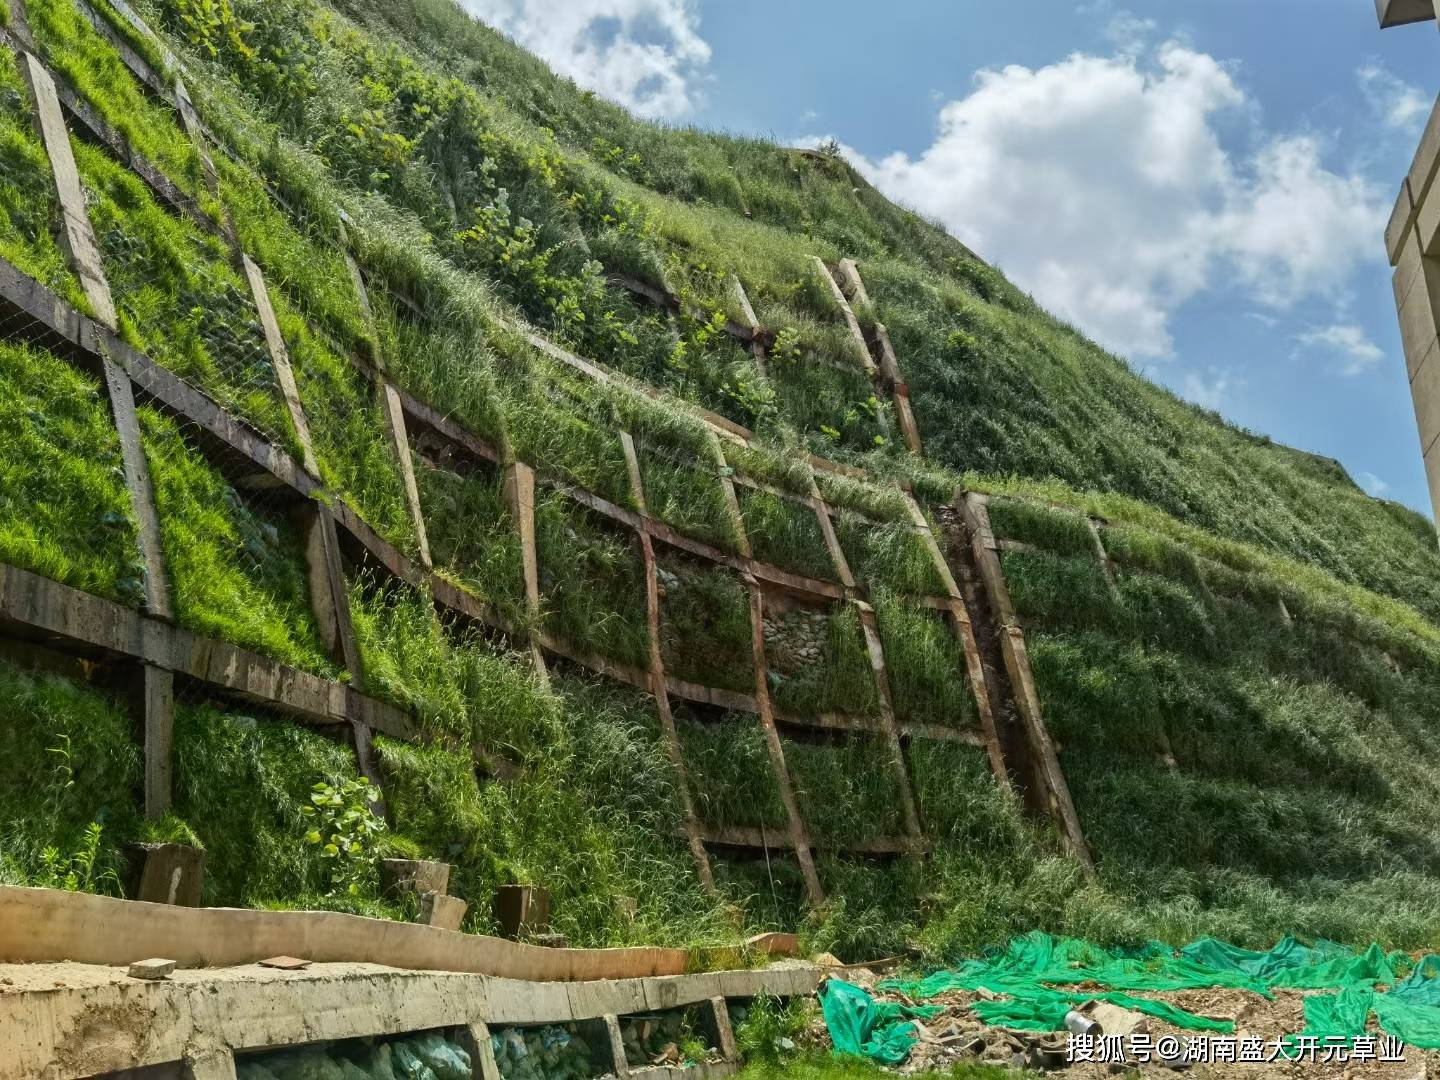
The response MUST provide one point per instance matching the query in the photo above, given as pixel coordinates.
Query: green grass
(1066, 533)
(95, 69)
(306, 266)
(240, 782)
(767, 889)
(592, 582)
(872, 909)
(349, 431)
(64, 508)
(959, 802)
(889, 556)
(815, 397)
(999, 387)
(178, 299)
(236, 571)
(592, 822)
(785, 534)
(839, 680)
(556, 441)
(783, 468)
(472, 535)
(463, 690)
(408, 657)
(27, 192)
(847, 789)
(689, 498)
(925, 664)
(484, 187)
(1050, 589)
(1327, 805)
(451, 358)
(873, 500)
(705, 626)
(69, 761)
(732, 782)
(143, 44)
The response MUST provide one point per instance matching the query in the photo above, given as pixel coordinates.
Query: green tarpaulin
(1032, 975)
(860, 1025)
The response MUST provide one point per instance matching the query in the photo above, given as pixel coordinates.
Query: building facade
(1412, 241)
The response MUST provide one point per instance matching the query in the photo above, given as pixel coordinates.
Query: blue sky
(1201, 187)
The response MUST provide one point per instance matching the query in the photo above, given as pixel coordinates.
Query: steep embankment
(1232, 646)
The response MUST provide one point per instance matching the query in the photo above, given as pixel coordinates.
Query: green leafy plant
(346, 830)
(769, 1025)
(77, 870)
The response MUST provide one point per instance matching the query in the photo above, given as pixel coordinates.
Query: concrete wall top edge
(1403, 12)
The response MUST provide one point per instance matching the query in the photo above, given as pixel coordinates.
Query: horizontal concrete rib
(761, 839)
(70, 620)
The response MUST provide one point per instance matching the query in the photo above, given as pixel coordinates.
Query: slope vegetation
(1235, 649)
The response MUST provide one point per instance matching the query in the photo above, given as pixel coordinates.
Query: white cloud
(1207, 390)
(1103, 185)
(1126, 30)
(1395, 101)
(1372, 484)
(646, 54)
(1350, 342)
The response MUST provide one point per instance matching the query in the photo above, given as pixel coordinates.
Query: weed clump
(243, 782)
(66, 784)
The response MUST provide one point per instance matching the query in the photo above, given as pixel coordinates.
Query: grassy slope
(999, 386)
(1002, 389)
(470, 205)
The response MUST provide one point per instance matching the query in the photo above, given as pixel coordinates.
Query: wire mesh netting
(68, 776)
(592, 582)
(244, 776)
(846, 786)
(179, 300)
(705, 629)
(350, 428)
(473, 536)
(817, 661)
(65, 510)
(234, 549)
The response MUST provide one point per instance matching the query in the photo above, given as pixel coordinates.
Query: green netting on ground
(860, 1025)
(1031, 977)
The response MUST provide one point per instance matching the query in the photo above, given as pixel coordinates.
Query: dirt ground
(957, 1036)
